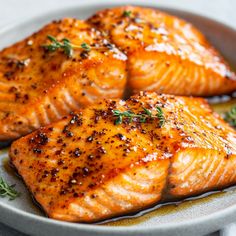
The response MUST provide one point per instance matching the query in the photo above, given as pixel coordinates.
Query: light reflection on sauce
(164, 209)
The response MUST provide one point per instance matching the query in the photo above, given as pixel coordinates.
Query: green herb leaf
(160, 116)
(53, 46)
(148, 112)
(141, 117)
(65, 45)
(127, 13)
(53, 39)
(119, 120)
(85, 46)
(68, 48)
(230, 116)
(7, 190)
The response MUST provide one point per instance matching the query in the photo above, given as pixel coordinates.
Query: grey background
(12, 11)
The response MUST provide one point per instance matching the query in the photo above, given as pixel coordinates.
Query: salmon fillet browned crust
(90, 166)
(165, 54)
(38, 86)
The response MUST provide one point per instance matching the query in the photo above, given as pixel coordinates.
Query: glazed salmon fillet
(93, 164)
(165, 54)
(39, 85)
(41, 79)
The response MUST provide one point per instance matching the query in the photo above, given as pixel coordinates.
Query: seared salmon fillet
(119, 157)
(70, 64)
(165, 54)
(39, 85)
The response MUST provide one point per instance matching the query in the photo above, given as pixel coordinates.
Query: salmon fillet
(38, 87)
(91, 165)
(165, 54)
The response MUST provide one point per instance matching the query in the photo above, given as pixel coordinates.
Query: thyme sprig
(230, 116)
(127, 13)
(8, 190)
(142, 117)
(86, 47)
(66, 46)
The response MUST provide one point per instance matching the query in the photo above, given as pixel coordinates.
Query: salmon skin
(38, 87)
(89, 166)
(165, 54)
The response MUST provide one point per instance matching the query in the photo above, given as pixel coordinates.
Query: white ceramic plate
(192, 218)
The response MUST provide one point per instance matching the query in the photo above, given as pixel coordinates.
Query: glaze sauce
(159, 209)
(220, 104)
(164, 209)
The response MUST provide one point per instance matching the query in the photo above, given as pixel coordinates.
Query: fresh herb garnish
(65, 45)
(141, 117)
(68, 48)
(230, 116)
(8, 190)
(160, 116)
(86, 47)
(127, 13)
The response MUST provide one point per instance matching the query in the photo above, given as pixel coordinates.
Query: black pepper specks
(37, 150)
(43, 139)
(77, 152)
(121, 136)
(101, 150)
(67, 132)
(90, 139)
(85, 171)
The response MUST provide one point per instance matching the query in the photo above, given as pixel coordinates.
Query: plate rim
(227, 212)
(163, 226)
(148, 3)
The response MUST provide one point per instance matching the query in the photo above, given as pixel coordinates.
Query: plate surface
(195, 217)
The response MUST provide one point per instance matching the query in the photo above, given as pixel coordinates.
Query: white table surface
(12, 11)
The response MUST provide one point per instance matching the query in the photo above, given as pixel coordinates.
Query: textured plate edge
(172, 227)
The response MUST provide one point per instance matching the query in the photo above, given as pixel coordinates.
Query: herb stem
(67, 47)
(7, 190)
(141, 117)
